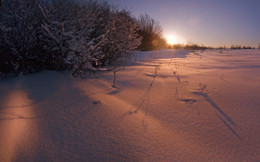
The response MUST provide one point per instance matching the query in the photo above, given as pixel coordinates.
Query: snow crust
(168, 105)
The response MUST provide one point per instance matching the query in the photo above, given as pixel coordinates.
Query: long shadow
(214, 105)
(38, 102)
(141, 102)
(38, 87)
(229, 127)
(20, 106)
(80, 98)
(146, 96)
(40, 90)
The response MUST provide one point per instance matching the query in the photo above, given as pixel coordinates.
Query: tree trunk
(114, 82)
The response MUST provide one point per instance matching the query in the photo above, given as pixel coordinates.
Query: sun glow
(171, 40)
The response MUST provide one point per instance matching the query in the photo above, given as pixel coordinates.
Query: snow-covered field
(167, 106)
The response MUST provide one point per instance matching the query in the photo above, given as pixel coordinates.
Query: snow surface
(167, 106)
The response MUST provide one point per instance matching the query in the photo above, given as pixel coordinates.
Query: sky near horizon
(207, 22)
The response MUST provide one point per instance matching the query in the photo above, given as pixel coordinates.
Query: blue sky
(208, 22)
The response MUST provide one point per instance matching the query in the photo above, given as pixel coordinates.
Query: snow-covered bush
(122, 37)
(92, 36)
(64, 34)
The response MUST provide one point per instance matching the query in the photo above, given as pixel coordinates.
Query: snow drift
(167, 106)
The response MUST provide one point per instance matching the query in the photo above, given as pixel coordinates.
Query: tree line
(194, 46)
(66, 35)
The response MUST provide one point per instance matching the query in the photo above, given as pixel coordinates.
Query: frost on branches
(79, 37)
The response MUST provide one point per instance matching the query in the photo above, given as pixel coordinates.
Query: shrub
(236, 47)
(151, 32)
(63, 34)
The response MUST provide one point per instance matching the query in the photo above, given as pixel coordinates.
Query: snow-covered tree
(122, 38)
(64, 34)
(91, 36)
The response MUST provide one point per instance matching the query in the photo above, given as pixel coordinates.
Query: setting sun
(174, 39)
(171, 40)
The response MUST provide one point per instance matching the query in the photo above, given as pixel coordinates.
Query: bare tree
(151, 32)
